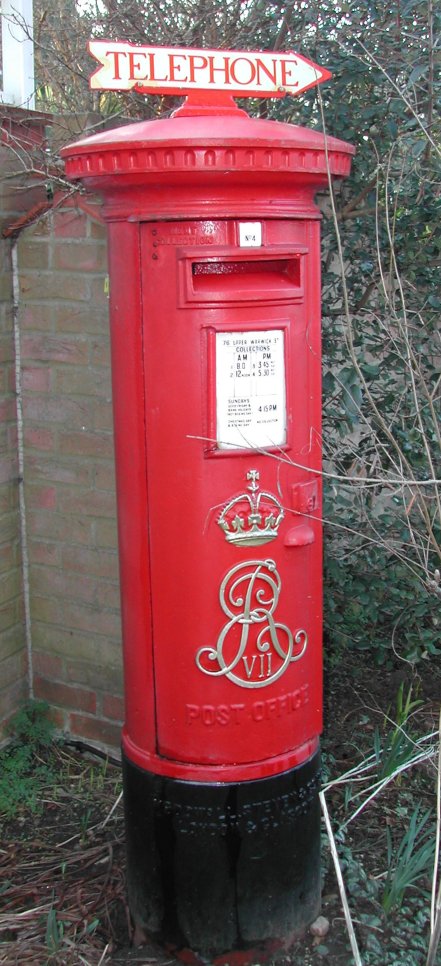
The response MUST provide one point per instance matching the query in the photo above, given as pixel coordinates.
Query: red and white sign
(174, 70)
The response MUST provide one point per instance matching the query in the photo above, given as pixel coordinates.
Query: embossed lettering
(214, 714)
(249, 670)
(249, 595)
(210, 715)
(265, 671)
(280, 706)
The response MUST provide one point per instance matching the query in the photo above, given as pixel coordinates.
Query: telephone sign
(174, 70)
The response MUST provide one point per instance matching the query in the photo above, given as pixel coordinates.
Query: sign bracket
(208, 102)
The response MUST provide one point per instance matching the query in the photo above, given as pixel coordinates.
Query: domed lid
(199, 136)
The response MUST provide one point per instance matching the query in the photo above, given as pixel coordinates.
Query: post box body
(231, 362)
(215, 314)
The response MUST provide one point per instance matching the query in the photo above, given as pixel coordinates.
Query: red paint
(258, 953)
(182, 290)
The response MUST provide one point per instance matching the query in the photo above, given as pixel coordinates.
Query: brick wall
(69, 476)
(12, 639)
(65, 499)
(13, 679)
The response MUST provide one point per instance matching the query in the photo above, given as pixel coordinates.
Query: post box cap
(201, 141)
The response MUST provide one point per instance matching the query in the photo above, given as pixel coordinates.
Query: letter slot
(244, 279)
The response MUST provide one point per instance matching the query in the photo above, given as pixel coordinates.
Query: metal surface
(214, 261)
(183, 196)
(218, 867)
(251, 519)
(249, 596)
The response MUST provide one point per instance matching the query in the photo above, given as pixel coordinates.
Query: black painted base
(223, 866)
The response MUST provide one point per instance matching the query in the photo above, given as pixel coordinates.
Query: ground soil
(62, 879)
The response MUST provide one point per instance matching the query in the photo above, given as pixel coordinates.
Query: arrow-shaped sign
(175, 70)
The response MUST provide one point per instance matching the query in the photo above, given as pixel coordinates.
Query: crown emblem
(251, 519)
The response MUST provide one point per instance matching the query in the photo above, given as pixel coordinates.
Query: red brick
(48, 665)
(92, 729)
(8, 497)
(43, 286)
(75, 615)
(36, 379)
(42, 497)
(103, 416)
(59, 470)
(8, 524)
(8, 410)
(7, 350)
(96, 503)
(5, 288)
(106, 534)
(15, 200)
(80, 257)
(85, 381)
(38, 438)
(13, 669)
(102, 563)
(37, 317)
(65, 642)
(11, 614)
(10, 583)
(64, 695)
(113, 707)
(99, 291)
(47, 582)
(70, 224)
(33, 253)
(108, 677)
(79, 318)
(13, 643)
(11, 378)
(12, 437)
(100, 353)
(8, 556)
(55, 409)
(69, 476)
(8, 469)
(45, 553)
(56, 526)
(73, 351)
(86, 444)
(98, 231)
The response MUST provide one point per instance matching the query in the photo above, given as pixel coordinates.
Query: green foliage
(409, 860)
(381, 408)
(404, 943)
(31, 725)
(380, 328)
(375, 604)
(56, 938)
(54, 932)
(22, 771)
(398, 745)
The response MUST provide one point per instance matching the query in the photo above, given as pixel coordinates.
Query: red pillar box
(215, 320)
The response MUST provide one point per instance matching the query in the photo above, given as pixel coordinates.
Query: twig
(341, 885)
(435, 915)
(109, 815)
